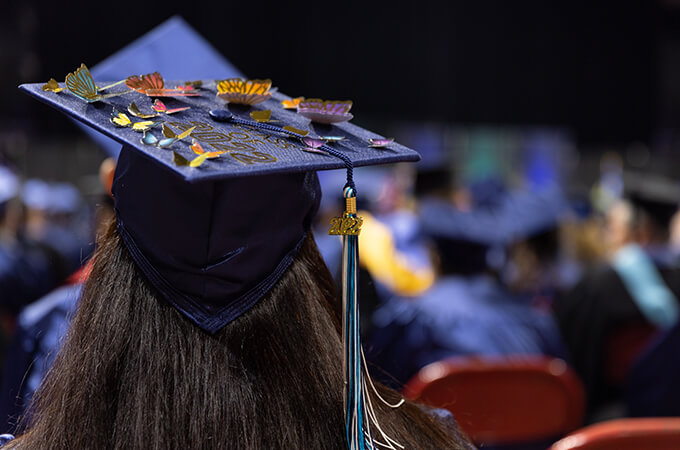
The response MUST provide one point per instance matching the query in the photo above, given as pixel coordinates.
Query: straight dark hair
(134, 373)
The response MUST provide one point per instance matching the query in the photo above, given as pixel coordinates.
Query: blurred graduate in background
(608, 318)
(494, 258)
(44, 240)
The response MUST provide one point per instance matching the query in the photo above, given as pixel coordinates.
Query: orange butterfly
(202, 154)
(291, 104)
(153, 85)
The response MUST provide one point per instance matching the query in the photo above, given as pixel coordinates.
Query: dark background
(607, 71)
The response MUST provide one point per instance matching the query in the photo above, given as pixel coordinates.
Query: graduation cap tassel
(349, 225)
(359, 413)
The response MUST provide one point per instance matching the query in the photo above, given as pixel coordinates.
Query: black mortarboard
(214, 224)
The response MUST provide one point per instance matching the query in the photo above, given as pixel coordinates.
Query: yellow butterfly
(262, 116)
(169, 134)
(52, 86)
(135, 111)
(122, 120)
(202, 154)
(244, 92)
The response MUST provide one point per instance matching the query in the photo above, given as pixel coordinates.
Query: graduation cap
(173, 48)
(654, 195)
(518, 215)
(213, 203)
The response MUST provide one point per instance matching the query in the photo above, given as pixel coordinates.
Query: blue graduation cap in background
(173, 48)
(517, 215)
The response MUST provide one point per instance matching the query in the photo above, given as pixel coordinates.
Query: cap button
(220, 115)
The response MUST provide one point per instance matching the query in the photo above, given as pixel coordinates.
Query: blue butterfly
(81, 84)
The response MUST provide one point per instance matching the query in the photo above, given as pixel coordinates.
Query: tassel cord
(326, 148)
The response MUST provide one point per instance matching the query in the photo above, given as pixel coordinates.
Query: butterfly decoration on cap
(292, 103)
(160, 107)
(169, 137)
(81, 84)
(196, 84)
(380, 142)
(325, 111)
(331, 139)
(262, 116)
(122, 120)
(296, 131)
(244, 92)
(153, 85)
(312, 145)
(200, 159)
(52, 86)
(135, 111)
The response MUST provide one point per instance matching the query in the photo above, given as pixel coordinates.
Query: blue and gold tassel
(349, 226)
(359, 413)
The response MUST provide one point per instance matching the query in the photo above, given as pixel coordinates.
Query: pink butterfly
(313, 144)
(160, 107)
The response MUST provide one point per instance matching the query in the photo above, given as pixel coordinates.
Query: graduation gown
(596, 307)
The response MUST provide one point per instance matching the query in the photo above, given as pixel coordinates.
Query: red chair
(625, 434)
(513, 400)
(623, 347)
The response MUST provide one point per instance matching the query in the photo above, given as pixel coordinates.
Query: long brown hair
(134, 373)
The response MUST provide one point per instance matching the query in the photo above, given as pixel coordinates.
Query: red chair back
(624, 345)
(503, 401)
(625, 434)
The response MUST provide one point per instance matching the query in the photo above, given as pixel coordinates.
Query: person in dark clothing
(608, 317)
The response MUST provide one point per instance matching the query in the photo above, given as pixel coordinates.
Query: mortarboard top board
(249, 152)
(174, 49)
(214, 239)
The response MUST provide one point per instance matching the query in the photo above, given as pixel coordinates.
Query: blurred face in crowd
(675, 231)
(618, 226)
